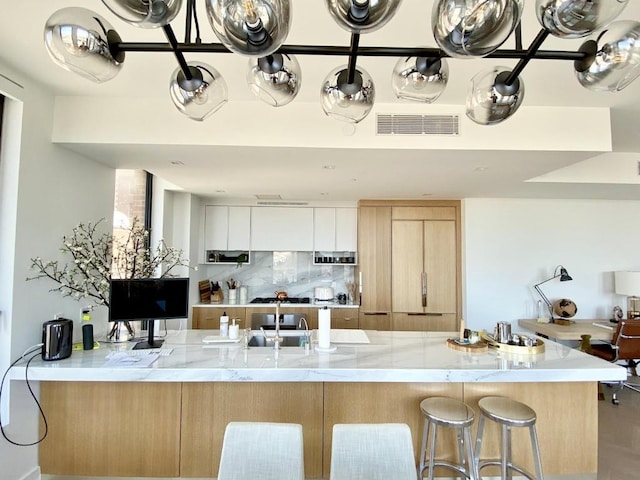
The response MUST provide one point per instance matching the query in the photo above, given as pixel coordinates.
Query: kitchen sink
(287, 341)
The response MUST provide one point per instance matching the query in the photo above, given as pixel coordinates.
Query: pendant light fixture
(145, 13)
(200, 95)
(613, 60)
(275, 79)
(492, 98)
(83, 42)
(474, 28)
(577, 18)
(362, 16)
(420, 79)
(256, 28)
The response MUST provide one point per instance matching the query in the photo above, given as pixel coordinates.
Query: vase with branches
(93, 257)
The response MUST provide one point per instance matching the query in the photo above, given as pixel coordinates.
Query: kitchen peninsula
(169, 419)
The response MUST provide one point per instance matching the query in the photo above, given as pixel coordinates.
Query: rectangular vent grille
(418, 124)
(281, 203)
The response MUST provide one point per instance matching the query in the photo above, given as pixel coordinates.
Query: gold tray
(478, 347)
(505, 347)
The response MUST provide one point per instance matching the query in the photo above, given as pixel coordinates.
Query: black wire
(26, 377)
(196, 23)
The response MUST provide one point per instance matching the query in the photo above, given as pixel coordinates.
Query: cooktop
(286, 300)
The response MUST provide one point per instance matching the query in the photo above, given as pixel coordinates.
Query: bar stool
(508, 413)
(452, 413)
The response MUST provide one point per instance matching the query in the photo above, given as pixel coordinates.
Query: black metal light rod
(533, 48)
(188, 19)
(175, 48)
(353, 56)
(331, 50)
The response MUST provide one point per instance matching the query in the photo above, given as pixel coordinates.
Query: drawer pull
(375, 313)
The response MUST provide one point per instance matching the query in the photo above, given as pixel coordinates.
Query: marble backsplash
(293, 272)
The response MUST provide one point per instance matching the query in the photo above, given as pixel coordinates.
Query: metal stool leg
(504, 453)
(536, 452)
(432, 450)
(473, 473)
(461, 454)
(479, 444)
(423, 452)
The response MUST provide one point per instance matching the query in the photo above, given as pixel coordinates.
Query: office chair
(265, 451)
(379, 451)
(625, 345)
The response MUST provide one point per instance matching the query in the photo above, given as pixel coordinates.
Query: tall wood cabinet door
(440, 265)
(407, 259)
(374, 258)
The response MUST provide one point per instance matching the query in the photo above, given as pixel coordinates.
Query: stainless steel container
(503, 332)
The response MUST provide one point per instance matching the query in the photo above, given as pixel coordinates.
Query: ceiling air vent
(418, 124)
(272, 203)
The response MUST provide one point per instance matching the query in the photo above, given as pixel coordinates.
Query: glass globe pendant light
(200, 95)
(613, 61)
(420, 79)
(475, 28)
(145, 13)
(362, 16)
(80, 40)
(577, 18)
(348, 101)
(256, 28)
(491, 99)
(275, 79)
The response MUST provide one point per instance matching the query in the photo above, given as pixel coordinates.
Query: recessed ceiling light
(329, 167)
(481, 169)
(176, 162)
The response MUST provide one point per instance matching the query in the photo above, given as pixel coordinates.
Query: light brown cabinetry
(208, 318)
(424, 260)
(374, 259)
(344, 318)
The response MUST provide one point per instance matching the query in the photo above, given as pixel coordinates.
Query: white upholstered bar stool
(372, 451)
(508, 413)
(265, 451)
(451, 413)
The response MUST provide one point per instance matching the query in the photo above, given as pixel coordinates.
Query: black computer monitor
(148, 299)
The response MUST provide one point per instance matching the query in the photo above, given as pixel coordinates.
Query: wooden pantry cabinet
(424, 258)
(374, 266)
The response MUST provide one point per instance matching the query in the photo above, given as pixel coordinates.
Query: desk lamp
(628, 283)
(561, 272)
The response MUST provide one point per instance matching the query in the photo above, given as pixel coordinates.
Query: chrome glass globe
(275, 79)
(347, 101)
(202, 94)
(577, 18)
(474, 28)
(145, 13)
(420, 79)
(362, 16)
(79, 40)
(490, 100)
(614, 60)
(256, 28)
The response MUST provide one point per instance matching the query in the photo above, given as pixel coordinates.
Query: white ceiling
(297, 173)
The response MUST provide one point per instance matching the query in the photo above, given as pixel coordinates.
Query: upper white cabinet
(335, 229)
(227, 228)
(281, 229)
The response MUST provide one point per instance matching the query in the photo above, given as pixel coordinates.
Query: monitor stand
(151, 342)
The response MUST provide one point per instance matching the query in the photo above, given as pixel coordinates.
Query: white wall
(512, 244)
(51, 191)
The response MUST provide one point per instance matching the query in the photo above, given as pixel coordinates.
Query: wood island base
(173, 429)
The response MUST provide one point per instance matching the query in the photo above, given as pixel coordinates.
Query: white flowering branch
(95, 258)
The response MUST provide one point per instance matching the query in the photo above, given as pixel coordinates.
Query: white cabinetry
(227, 228)
(335, 229)
(281, 229)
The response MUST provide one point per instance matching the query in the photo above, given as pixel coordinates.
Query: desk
(570, 332)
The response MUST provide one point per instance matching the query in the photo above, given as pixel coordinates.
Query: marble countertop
(389, 357)
(283, 306)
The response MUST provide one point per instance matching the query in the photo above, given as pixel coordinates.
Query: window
(132, 203)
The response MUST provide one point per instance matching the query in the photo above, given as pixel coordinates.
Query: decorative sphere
(565, 308)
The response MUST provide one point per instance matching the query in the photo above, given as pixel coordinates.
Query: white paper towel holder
(326, 350)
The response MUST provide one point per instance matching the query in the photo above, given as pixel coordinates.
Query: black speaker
(87, 337)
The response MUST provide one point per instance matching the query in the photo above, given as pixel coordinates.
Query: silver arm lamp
(561, 272)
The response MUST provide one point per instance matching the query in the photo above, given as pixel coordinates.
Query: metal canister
(503, 332)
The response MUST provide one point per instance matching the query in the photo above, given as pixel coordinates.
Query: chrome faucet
(276, 339)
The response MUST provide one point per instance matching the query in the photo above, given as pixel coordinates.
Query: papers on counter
(124, 359)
